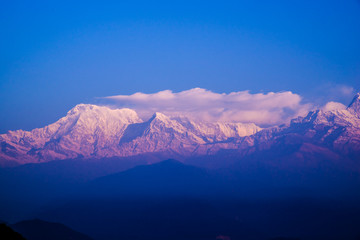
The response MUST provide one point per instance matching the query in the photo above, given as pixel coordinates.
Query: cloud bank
(262, 109)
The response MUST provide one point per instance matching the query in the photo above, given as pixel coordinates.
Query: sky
(56, 54)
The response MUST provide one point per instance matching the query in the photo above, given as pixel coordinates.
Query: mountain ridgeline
(97, 132)
(90, 131)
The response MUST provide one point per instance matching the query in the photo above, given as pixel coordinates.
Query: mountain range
(96, 132)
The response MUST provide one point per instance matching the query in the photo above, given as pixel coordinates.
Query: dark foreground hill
(42, 230)
(6, 233)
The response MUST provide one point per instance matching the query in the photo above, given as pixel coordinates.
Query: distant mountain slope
(42, 230)
(171, 200)
(35, 184)
(169, 178)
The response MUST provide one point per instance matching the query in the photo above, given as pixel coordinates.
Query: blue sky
(56, 54)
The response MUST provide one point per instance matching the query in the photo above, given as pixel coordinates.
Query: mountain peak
(90, 111)
(355, 104)
(170, 162)
(159, 116)
(81, 108)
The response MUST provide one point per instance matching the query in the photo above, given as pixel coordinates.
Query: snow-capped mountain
(319, 135)
(85, 129)
(91, 131)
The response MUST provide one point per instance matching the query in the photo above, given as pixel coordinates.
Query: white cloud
(262, 109)
(330, 106)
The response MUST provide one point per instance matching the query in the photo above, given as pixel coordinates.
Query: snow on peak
(81, 108)
(332, 106)
(160, 116)
(89, 112)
